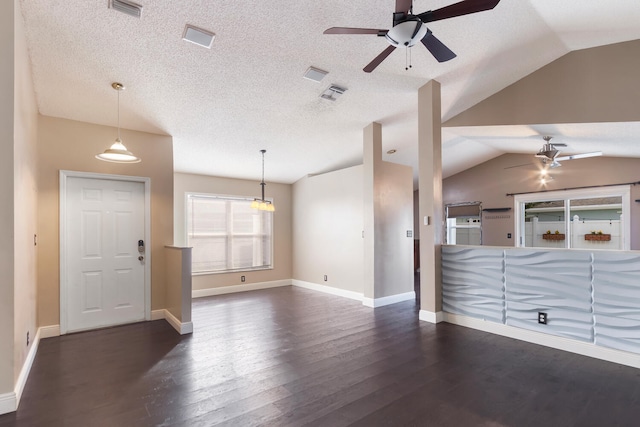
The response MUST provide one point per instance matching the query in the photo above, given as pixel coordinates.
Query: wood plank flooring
(293, 357)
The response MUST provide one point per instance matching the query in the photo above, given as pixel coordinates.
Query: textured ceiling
(222, 105)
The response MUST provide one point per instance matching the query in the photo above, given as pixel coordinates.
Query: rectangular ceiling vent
(315, 74)
(333, 92)
(198, 36)
(125, 6)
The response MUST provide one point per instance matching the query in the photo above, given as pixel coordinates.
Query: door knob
(140, 258)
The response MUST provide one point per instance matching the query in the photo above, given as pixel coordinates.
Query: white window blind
(227, 235)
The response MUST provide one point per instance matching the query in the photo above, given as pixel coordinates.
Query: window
(227, 235)
(582, 219)
(464, 223)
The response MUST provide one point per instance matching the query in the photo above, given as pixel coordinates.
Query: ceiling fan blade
(345, 30)
(458, 9)
(378, 59)
(579, 156)
(403, 5)
(437, 48)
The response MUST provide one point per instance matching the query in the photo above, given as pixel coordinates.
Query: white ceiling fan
(549, 154)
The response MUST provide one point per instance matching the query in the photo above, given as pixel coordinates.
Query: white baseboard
(560, 343)
(431, 317)
(391, 299)
(8, 402)
(49, 331)
(328, 289)
(182, 328)
(200, 293)
(157, 314)
(26, 367)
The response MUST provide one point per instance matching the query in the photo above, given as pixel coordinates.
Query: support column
(372, 162)
(430, 206)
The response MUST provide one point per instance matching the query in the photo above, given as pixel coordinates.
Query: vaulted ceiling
(222, 105)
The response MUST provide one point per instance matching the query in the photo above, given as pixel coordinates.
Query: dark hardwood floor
(293, 357)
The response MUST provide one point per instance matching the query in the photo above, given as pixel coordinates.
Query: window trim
(623, 191)
(187, 194)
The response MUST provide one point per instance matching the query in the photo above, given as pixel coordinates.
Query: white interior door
(102, 268)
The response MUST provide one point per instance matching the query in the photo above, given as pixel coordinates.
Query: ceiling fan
(408, 29)
(549, 154)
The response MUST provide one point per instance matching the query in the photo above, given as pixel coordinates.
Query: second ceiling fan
(548, 154)
(409, 29)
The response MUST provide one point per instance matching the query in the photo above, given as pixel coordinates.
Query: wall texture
(71, 145)
(490, 182)
(6, 191)
(588, 296)
(25, 199)
(327, 229)
(281, 194)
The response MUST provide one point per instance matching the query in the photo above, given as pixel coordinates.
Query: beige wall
(281, 194)
(394, 254)
(387, 216)
(25, 199)
(327, 229)
(71, 145)
(6, 191)
(178, 273)
(490, 182)
(586, 86)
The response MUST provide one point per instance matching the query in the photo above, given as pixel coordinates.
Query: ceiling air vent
(128, 7)
(315, 74)
(333, 92)
(198, 36)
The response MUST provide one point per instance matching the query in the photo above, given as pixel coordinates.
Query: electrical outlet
(27, 338)
(242, 278)
(325, 277)
(542, 318)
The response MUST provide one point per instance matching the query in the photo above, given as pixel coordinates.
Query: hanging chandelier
(262, 204)
(118, 153)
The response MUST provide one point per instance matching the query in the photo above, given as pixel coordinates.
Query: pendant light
(262, 204)
(118, 153)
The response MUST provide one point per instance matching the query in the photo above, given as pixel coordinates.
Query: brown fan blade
(345, 30)
(403, 5)
(378, 59)
(458, 9)
(437, 48)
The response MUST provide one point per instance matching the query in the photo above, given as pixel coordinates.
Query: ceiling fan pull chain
(407, 59)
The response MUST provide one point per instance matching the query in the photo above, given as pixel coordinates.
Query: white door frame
(64, 175)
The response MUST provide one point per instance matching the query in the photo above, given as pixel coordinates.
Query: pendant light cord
(119, 139)
(262, 183)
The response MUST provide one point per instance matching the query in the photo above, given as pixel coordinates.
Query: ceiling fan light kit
(406, 33)
(408, 28)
